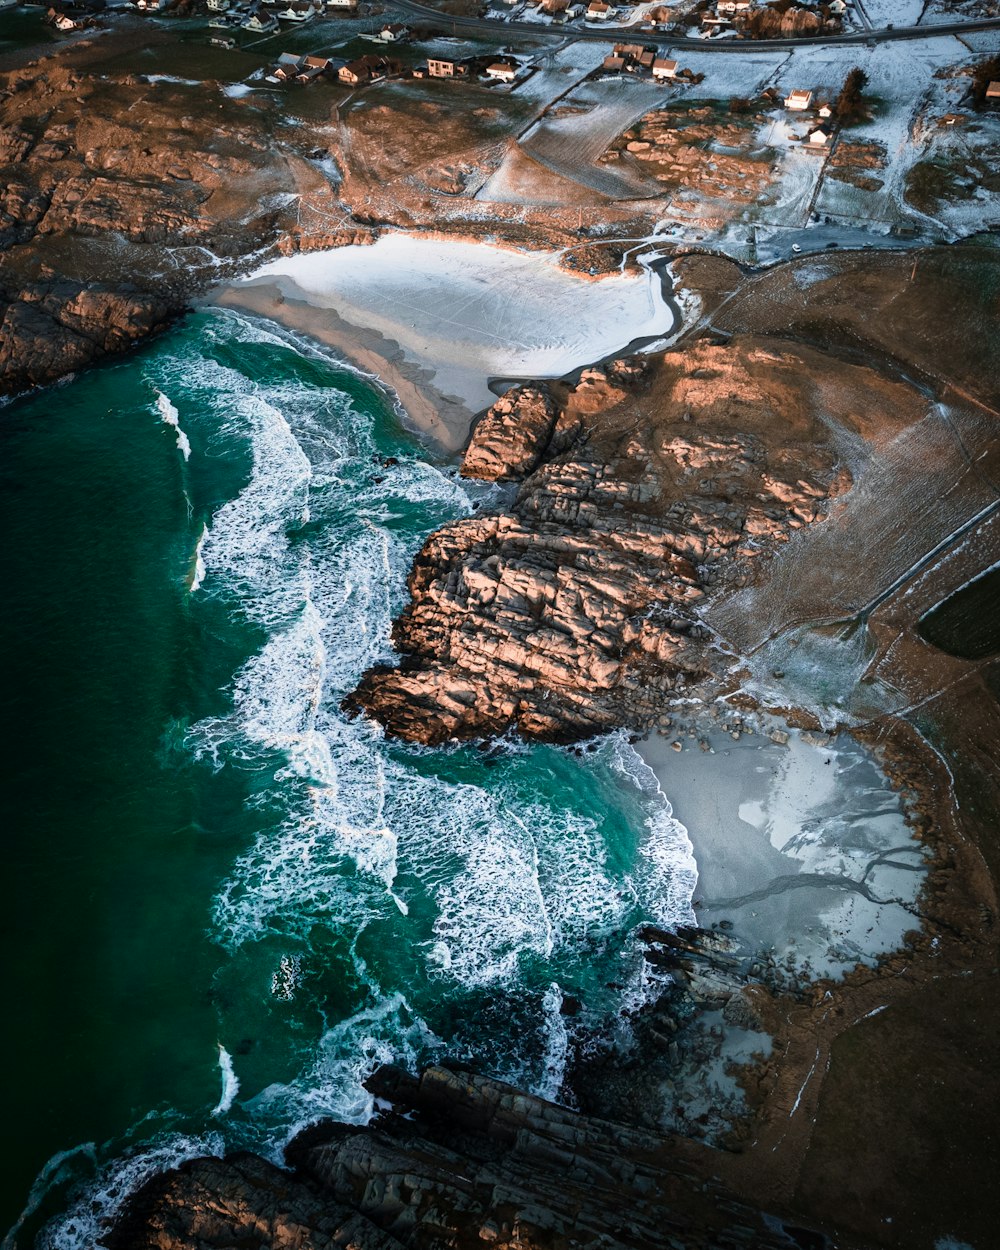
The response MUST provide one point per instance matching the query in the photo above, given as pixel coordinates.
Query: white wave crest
(198, 571)
(665, 878)
(347, 1055)
(230, 1083)
(170, 416)
(556, 1045)
(91, 1213)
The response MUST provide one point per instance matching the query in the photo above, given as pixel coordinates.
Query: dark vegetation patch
(967, 623)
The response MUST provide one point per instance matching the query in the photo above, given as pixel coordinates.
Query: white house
(502, 71)
(393, 32)
(818, 138)
(733, 7)
(297, 13)
(664, 68)
(261, 22)
(342, 4)
(798, 100)
(837, 7)
(598, 11)
(218, 6)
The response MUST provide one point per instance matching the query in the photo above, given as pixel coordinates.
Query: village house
(366, 69)
(502, 71)
(614, 64)
(61, 21)
(993, 91)
(561, 10)
(260, 22)
(598, 11)
(837, 8)
(438, 68)
(733, 8)
(663, 68)
(824, 111)
(218, 6)
(298, 67)
(286, 67)
(298, 12)
(798, 101)
(342, 4)
(818, 138)
(394, 32)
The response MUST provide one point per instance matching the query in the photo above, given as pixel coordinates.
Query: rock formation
(460, 1161)
(575, 612)
(119, 199)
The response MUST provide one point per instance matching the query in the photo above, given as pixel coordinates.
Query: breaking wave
(404, 897)
(230, 1083)
(170, 416)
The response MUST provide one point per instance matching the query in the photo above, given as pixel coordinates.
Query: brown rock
(576, 612)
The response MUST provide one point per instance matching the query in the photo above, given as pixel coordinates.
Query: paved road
(482, 26)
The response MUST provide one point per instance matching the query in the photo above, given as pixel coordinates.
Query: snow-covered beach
(437, 319)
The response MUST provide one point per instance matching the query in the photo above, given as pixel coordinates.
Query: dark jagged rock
(49, 331)
(461, 1161)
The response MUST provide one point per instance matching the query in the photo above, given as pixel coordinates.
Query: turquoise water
(227, 903)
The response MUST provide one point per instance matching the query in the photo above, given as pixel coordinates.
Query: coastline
(444, 419)
(450, 324)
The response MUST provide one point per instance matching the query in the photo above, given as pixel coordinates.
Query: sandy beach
(447, 325)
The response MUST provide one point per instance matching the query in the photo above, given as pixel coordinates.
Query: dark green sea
(224, 902)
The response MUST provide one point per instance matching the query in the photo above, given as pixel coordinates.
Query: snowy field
(468, 312)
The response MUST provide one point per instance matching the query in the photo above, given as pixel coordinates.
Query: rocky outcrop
(120, 198)
(51, 330)
(460, 1161)
(576, 611)
(511, 437)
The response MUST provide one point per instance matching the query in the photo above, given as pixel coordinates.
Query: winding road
(482, 25)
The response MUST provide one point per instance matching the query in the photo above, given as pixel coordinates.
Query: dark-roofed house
(367, 69)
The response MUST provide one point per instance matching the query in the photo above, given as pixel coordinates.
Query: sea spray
(230, 1083)
(198, 569)
(170, 416)
(556, 1045)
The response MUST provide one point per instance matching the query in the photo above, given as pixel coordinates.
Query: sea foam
(170, 416)
(230, 1083)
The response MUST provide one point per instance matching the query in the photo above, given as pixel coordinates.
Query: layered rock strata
(460, 1161)
(577, 610)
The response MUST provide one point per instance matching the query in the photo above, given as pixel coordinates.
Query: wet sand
(446, 419)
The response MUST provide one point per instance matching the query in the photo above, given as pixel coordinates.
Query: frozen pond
(802, 846)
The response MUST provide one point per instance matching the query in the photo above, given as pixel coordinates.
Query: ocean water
(225, 902)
